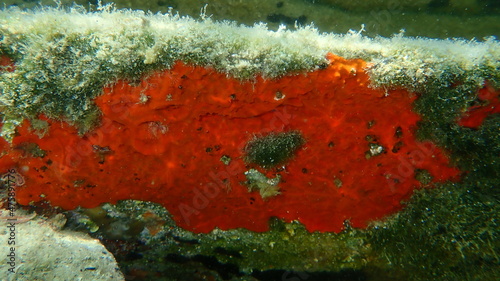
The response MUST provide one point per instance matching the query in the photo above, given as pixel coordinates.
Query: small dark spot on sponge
(273, 149)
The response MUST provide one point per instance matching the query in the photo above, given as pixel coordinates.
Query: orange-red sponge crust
(488, 102)
(178, 138)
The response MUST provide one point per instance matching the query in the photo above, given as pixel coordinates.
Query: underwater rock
(41, 251)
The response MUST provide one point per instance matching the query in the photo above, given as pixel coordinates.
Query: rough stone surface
(45, 253)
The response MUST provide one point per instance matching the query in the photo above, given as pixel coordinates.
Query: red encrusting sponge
(488, 102)
(178, 139)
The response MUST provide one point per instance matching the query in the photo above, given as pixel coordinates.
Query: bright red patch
(163, 140)
(489, 104)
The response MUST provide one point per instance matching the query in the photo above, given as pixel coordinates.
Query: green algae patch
(273, 149)
(444, 233)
